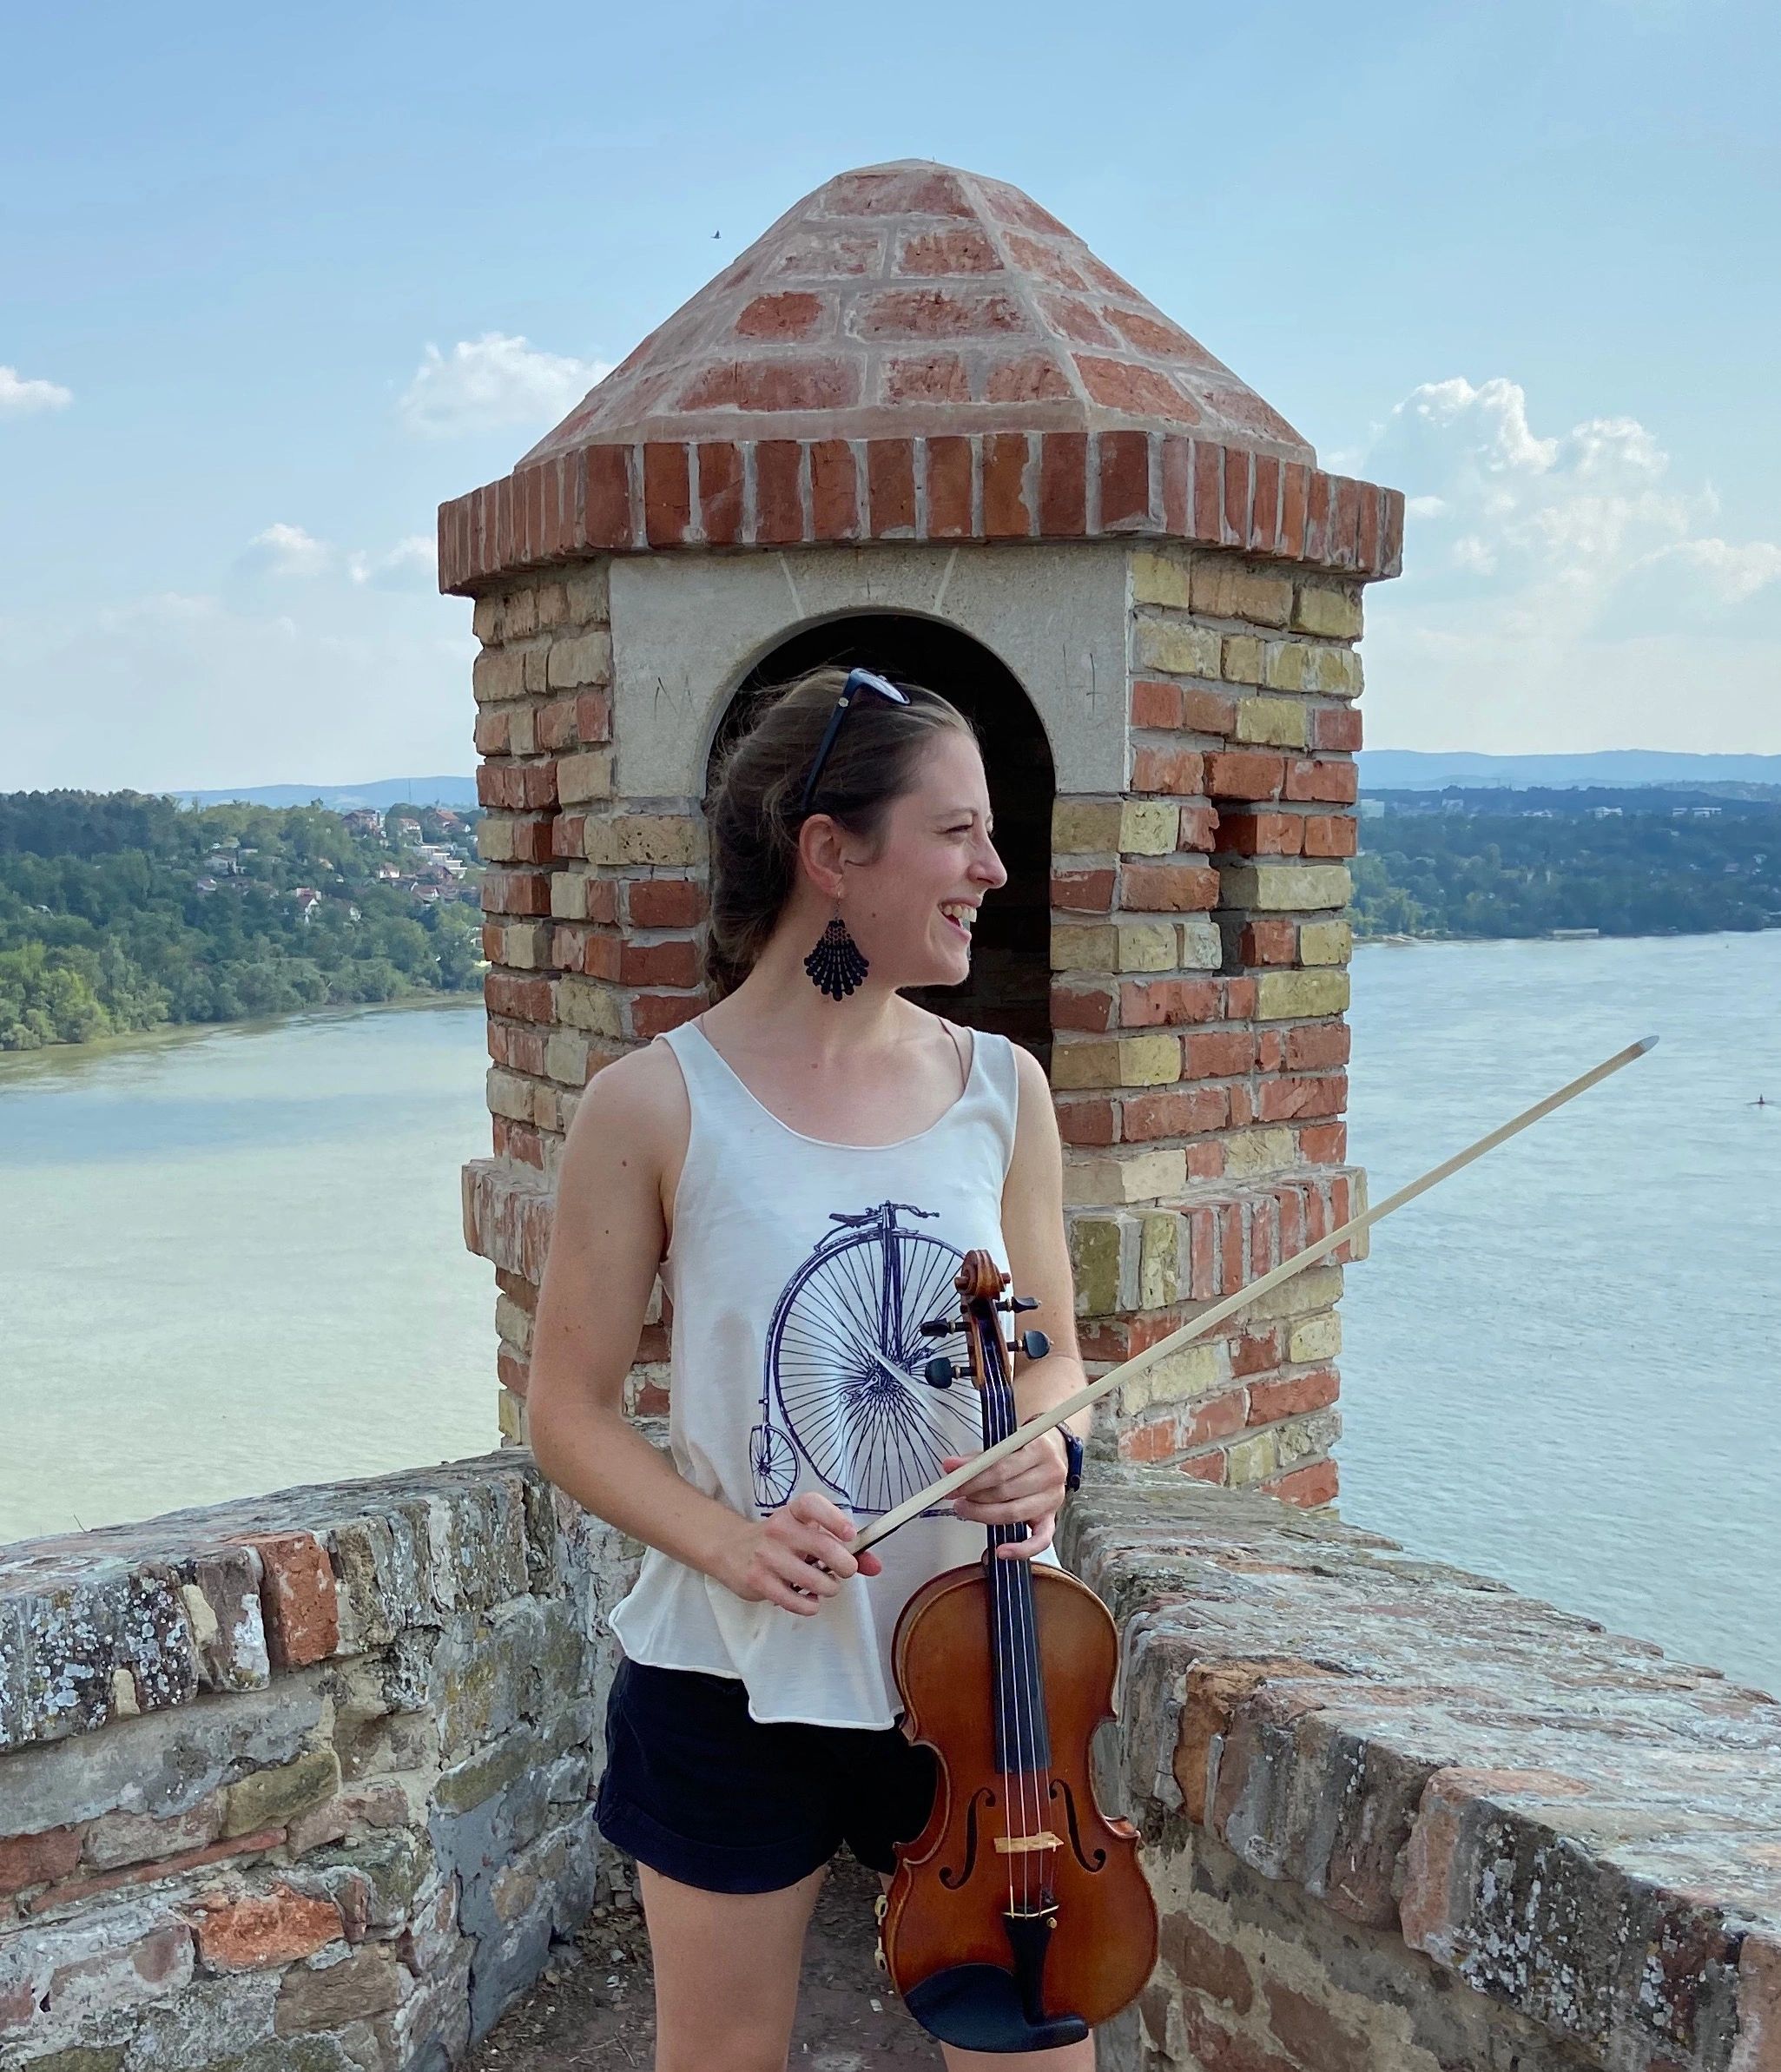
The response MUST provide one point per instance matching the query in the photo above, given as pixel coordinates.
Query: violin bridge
(1025, 1844)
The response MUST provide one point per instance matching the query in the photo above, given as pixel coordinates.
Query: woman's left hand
(1027, 1489)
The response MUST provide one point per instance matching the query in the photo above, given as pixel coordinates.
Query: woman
(806, 1163)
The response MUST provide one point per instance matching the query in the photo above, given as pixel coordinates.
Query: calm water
(233, 1261)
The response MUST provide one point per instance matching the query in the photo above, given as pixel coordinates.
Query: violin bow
(1209, 1320)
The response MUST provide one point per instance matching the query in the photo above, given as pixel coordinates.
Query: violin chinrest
(977, 2007)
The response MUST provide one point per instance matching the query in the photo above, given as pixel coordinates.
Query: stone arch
(1008, 989)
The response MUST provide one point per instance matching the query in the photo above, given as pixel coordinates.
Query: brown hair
(752, 809)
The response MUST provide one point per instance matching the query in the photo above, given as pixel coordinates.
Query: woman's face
(938, 855)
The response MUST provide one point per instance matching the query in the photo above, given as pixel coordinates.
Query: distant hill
(383, 792)
(1415, 769)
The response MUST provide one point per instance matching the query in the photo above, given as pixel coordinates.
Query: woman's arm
(606, 1242)
(1029, 1484)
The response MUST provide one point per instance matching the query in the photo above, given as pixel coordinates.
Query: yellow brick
(588, 592)
(1316, 1288)
(1177, 648)
(1153, 1061)
(1158, 1263)
(642, 838)
(498, 674)
(1336, 614)
(525, 945)
(1284, 887)
(485, 620)
(1148, 827)
(521, 619)
(1085, 946)
(1202, 947)
(1251, 1459)
(580, 658)
(1085, 826)
(552, 602)
(494, 838)
(1094, 1258)
(1159, 577)
(1278, 723)
(508, 1094)
(1177, 1377)
(1225, 588)
(513, 1323)
(1294, 665)
(1148, 945)
(1317, 1338)
(584, 1004)
(586, 776)
(1249, 1152)
(1288, 995)
(1326, 942)
(1241, 658)
(1150, 1175)
(566, 1058)
(522, 732)
(1088, 1062)
(510, 1416)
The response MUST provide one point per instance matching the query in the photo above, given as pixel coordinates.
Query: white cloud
(1561, 591)
(289, 550)
(18, 396)
(411, 563)
(495, 380)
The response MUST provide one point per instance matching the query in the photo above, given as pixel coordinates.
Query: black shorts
(699, 1790)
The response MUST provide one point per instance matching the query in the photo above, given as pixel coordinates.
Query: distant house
(447, 818)
(1605, 813)
(307, 899)
(426, 894)
(203, 885)
(365, 820)
(388, 871)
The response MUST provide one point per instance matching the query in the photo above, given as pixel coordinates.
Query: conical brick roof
(917, 354)
(914, 298)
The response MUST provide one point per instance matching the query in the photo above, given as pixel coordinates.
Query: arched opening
(1009, 988)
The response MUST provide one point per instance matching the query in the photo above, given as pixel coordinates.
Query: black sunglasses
(858, 680)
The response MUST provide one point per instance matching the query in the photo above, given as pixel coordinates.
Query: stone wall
(1398, 1819)
(299, 1783)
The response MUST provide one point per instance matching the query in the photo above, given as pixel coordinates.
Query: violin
(1019, 1918)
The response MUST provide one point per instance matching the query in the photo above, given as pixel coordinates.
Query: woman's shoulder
(638, 1101)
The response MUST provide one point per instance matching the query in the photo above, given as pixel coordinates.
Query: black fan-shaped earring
(836, 965)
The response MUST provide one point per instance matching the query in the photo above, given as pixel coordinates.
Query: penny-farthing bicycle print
(843, 1388)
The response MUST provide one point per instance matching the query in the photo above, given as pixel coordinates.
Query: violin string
(1021, 1659)
(994, 1423)
(1027, 1613)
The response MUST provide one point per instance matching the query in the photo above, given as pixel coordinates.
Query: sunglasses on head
(858, 680)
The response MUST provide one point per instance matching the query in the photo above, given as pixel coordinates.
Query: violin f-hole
(985, 1797)
(1060, 1789)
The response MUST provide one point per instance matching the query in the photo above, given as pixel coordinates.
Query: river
(233, 1261)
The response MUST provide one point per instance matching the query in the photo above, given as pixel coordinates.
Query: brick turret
(918, 422)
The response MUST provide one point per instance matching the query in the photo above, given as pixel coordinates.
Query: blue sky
(273, 283)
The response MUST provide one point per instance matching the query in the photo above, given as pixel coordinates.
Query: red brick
(1071, 317)
(1331, 834)
(1208, 490)
(937, 312)
(1271, 1050)
(1239, 1000)
(1230, 1233)
(1086, 1007)
(1179, 772)
(1174, 1112)
(1143, 391)
(524, 999)
(1029, 378)
(1082, 891)
(1184, 885)
(533, 840)
(1317, 1043)
(834, 491)
(1295, 479)
(1217, 2049)
(1006, 511)
(1178, 485)
(606, 498)
(1205, 1467)
(516, 787)
(1336, 727)
(1324, 1144)
(789, 314)
(770, 386)
(39, 1860)
(600, 896)
(1217, 1054)
(721, 485)
(517, 1140)
(1089, 1122)
(665, 902)
(1312, 2034)
(1243, 1106)
(1367, 549)
(1264, 517)
(1261, 834)
(1045, 260)
(553, 725)
(262, 1929)
(1148, 1003)
(515, 892)
(1245, 773)
(1296, 1397)
(1317, 517)
(964, 250)
(1292, 1222)
(779, 501)
(504, 521)
(890, 479)
(1391, 547)
(652, 1402)
(1345, 534)
(1062, 486)
(1256, 1352)
(667, 494)
(492, 934)
(1268, 942)
(593, 717)
(673, 963)
(78, 1890)
(1153, 704)
(298, 1602)
(491, 729)
(949, 488)
(1216, 1418)
(1199, 827)
(1331, 783)
(1205, 712)
(1284, 1099)
(511, 1372)
(1126, 480)
(926, 377)
(1237, 496)
(652, 1013)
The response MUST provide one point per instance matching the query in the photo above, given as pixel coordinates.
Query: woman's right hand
(795, 1558)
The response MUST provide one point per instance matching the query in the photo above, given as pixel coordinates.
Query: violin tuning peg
(939, 1327)
(1035, 1344)
(1026, 1302)
(940, 1371)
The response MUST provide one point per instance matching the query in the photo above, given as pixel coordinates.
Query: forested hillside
(122, 911)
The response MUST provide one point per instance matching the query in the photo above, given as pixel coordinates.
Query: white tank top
(801, 1272)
